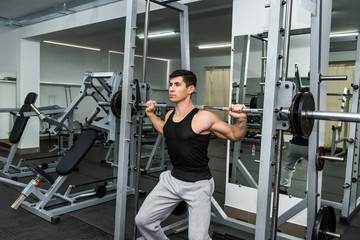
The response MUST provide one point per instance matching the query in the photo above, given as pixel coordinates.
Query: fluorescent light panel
(155, 58)
(219, 45)
(72, 45)
(155, 35)
(334, 35)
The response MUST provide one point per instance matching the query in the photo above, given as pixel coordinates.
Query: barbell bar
(204, 107)
(320, 115)
(301, 114)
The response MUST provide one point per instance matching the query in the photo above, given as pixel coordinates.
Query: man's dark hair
(188, 76)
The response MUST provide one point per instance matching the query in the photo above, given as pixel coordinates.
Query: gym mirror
(248, 78)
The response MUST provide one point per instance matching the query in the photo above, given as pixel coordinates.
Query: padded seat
(77, 152)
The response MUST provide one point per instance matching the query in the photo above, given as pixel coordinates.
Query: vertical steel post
(268, 130)
(352, 163)
(184, 38)
(241, 99)
(125, 123)
(285, 63)
(140, 123)
(313, 176)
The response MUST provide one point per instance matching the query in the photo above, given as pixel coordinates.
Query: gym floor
(97, 222)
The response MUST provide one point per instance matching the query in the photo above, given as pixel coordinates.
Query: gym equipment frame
(9, 170)
(351, 200)
(50, 197)
(126, 121)
(278, 112)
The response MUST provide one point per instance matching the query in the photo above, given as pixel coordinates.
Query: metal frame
(269, 136)
(336, 130)
(110, 82)
(267, 159)
(126, 121)
(350, 202)
(9, 170)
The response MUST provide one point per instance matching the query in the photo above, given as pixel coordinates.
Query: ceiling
(209, 22)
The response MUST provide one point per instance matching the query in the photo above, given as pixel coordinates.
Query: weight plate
(304, 124)
(294, 126)
(40, 172)
(100, 191)
(115, 104)
(319, 161)
(325, 221)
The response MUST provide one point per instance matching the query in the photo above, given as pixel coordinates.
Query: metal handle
(332, 234)
(18, 201)
(92, 116)
(332, 158)
(333, 78)
(36, 110)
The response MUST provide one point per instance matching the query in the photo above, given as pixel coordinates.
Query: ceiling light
(73, 45)
(155, 58)
(154, 35)
(220, 45)
(334, 35)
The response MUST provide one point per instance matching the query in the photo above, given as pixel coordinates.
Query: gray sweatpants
(294, 154)
(169, 191)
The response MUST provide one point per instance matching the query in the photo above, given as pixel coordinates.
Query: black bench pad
(77, 152)
(21, 121)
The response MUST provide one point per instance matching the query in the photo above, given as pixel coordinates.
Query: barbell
(301, 114)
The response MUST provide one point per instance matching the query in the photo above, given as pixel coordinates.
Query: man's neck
(183, 108)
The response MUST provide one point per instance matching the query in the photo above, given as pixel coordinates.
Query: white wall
(342, 56)
(8, 49)
(8, 52)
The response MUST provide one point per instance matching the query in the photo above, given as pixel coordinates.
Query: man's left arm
(234, 132)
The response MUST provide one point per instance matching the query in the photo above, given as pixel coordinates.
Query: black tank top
(187, 150)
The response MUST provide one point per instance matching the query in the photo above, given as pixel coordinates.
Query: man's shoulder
(205, 114)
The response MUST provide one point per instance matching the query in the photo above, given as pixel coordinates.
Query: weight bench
(57, 202)
(9, 170)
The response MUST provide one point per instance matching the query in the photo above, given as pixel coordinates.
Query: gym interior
(78, 155)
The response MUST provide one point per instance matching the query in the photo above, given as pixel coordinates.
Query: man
(187, 133)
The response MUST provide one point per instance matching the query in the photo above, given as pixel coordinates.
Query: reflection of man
(297, 149)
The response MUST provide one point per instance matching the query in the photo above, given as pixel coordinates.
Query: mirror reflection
(248, 82)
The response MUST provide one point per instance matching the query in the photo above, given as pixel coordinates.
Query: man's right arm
(156, 121)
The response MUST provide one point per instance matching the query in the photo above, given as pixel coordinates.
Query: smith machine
(282, 110)
(126, 97)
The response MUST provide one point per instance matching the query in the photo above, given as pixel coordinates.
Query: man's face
(178, 90)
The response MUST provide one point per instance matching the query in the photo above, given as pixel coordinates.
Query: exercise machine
(22, 115)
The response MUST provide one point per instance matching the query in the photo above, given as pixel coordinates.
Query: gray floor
(97, 222)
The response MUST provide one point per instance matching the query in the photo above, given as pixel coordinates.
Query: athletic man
(187, 133)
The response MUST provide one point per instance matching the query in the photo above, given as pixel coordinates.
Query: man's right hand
(150, 106)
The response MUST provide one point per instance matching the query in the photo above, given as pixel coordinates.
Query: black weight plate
(100, 191)
(41, 173)
(115, 104)
(293, 114)
(325, 221)
(319, 161)
(305, 124)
